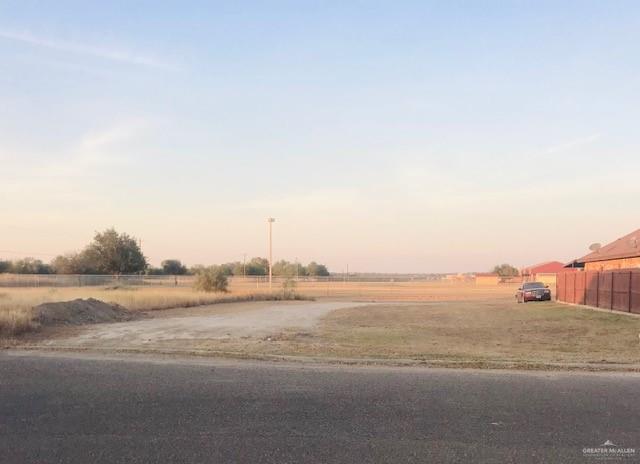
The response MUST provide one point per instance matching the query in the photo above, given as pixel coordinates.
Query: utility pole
(244, 266)
(270, 221)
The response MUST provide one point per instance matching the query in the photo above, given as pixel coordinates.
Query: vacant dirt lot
(435, 324)
(16, 304)
(485, 333)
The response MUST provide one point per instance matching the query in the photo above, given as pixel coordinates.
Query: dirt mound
(78, 312)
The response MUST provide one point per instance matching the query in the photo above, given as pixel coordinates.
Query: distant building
(543, 272)
(487, 278)
(623, 253)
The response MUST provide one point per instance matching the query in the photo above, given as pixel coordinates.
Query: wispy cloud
(118, 132)
(572, 144)
(119, 56)
(93, 151)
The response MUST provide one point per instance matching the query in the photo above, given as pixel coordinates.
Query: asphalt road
(67, 409)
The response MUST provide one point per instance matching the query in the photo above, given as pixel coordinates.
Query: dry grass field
(489, 333)
(388, 291)
(480, 332)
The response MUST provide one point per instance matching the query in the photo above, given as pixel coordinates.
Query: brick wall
(623, 263)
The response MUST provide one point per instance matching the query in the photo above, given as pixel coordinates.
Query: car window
(533, 285)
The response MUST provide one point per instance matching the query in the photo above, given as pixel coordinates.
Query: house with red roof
(623, 253)
(548, 267)
(543, 272)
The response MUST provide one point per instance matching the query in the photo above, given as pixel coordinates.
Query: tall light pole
(244, 266)
(270, 221)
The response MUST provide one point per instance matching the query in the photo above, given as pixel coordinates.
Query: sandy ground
(191, 327)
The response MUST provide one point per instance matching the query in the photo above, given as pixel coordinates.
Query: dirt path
(215, 322)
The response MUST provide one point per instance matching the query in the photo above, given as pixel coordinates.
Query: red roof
(543, 268)
(625, 247)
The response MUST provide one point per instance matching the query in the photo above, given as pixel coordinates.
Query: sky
(393, 136)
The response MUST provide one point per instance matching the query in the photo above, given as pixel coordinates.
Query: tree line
(111, 252)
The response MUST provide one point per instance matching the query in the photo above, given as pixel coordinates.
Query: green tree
(317, 270)
(505, 270)
(64, 264)
(154, 271)
(226, 269)
(173, 267)
(284, 268)
(5, 266)
(299, 269)
(114, 253)
(238, 268)
(30, 266)
(72, 263)
(211, 279)
(75, 263)
(258, 266)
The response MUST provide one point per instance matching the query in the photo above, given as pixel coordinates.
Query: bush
(211, 279)
(289, 289)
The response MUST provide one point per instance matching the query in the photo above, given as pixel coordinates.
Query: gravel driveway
(237, 321)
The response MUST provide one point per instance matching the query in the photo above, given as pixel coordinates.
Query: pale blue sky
(390, 136)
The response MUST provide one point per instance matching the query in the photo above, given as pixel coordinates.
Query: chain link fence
(86, 280)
